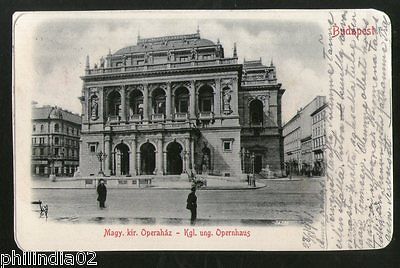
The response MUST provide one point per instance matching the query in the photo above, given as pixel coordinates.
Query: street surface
(280, 200)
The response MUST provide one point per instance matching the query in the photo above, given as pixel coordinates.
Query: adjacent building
(304, 136)
(319, 139)
(175, 105)
(55, 141)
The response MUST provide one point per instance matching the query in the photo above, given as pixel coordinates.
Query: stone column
(192, 155)
(186, 156)
(123, 104)
(168, 102)
(159, 160)
(217, 97)
(234, 101)
(107, 160)
(138, 167)
(192, 101)
(118, 163)
(165, 163)
(145, 103)
(132, 159)
(87, 103)
(101, 104)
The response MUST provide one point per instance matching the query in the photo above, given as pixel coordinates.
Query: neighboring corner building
(304, 139)
(55, 141)
(175, 105)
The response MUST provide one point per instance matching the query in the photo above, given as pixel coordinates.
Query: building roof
(166, 43)
(319, 109)
(49, 112)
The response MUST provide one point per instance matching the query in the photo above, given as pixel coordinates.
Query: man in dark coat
(102, 192)
(192, 205)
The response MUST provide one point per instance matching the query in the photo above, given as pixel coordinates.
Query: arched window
(136, 102)
(256, 112)
(159, 101)
(206, 99)
(182, 100)
(56, 128)
(114, 104)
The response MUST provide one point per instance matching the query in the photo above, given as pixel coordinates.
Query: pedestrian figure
(192, 205)
(102, 193)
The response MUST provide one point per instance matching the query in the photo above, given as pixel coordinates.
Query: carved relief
(201, 83)
(264, 99)
(226, 82)
(175, 85)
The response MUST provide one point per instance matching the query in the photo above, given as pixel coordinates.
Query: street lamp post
(101, 156)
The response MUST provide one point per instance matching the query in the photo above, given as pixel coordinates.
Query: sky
(52, 48)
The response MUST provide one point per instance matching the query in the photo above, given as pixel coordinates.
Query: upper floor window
(56, 140)
(206, 98)
(256, 112)
(159, 101)
(182, 100)
(56, 128)
(34, 127)
(41, 128)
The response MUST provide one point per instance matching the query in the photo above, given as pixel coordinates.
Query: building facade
(55, 141)
(319, 139)
(298, 135)
(172, 105)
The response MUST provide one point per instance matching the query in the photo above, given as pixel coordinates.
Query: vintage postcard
(259, 130)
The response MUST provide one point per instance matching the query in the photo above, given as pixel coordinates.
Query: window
(34, 127)
(41, 152)
(56, 128)
(92, 148)
(227, 145)
(56, 140)
(140, 62)
(56, 151)
(41, 128)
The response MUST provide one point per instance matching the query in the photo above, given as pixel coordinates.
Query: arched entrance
(121, 159)
(174, 158)
(147, 158)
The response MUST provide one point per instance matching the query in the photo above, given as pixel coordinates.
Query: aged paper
(256, 190)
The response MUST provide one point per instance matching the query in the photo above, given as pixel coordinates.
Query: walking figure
(102, 193)
(192, 205)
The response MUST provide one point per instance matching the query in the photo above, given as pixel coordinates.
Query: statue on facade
(146, 57)
(94, 108)
(194, 54)
(169, 56)
(102, 61)
(227, 101)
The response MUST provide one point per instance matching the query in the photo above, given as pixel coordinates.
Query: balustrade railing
(180, 116)
(135, 118)
(157, 117)
(206, 115)
(158, 66)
